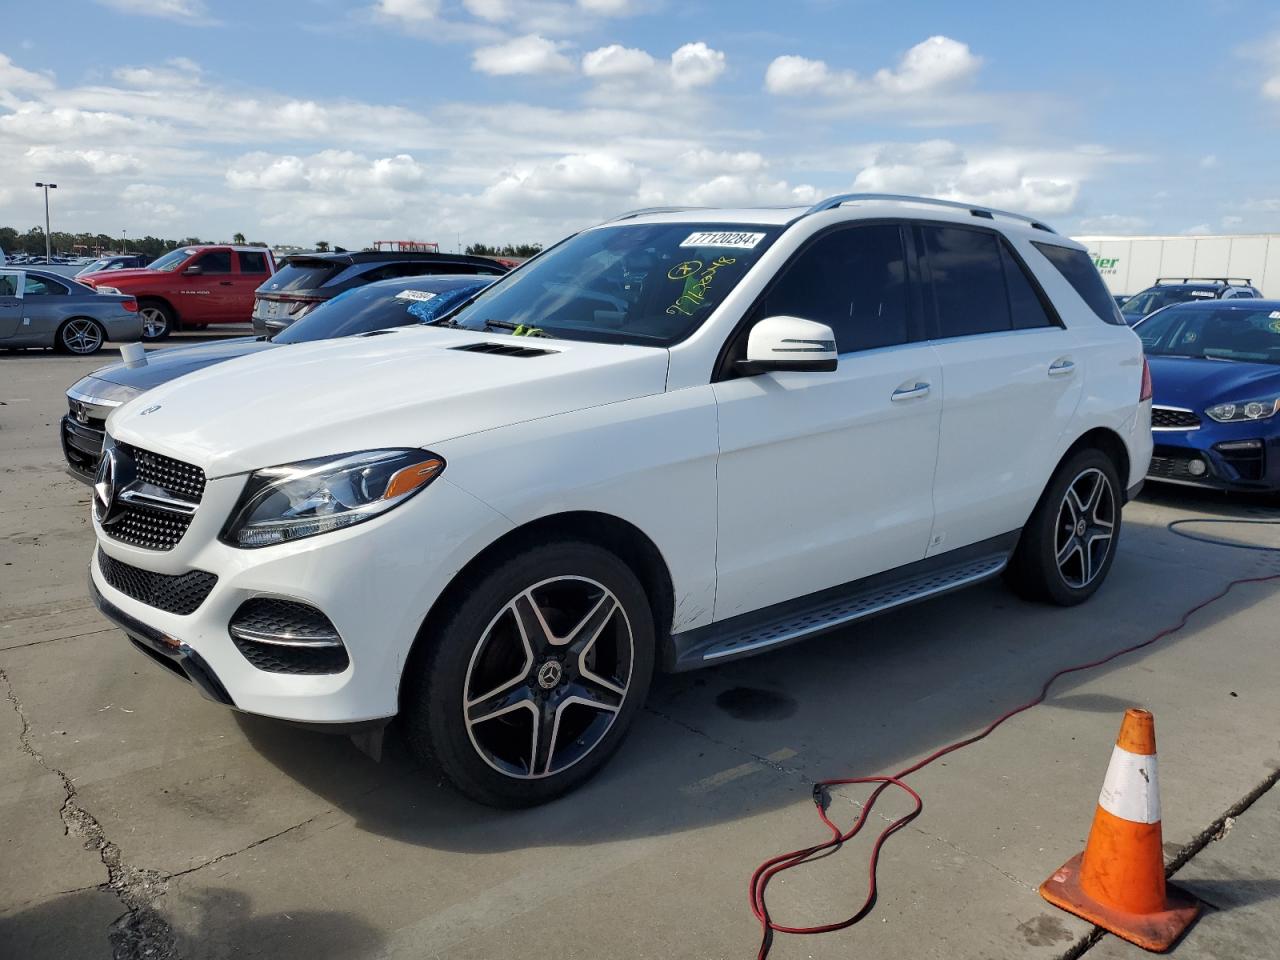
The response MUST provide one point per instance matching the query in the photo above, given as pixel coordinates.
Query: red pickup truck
(192, 287)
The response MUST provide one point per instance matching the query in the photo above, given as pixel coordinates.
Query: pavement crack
(140, 931)
(775, 765)
(257, 843)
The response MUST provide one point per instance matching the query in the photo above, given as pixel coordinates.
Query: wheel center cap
(1081, 527)
(550, 674)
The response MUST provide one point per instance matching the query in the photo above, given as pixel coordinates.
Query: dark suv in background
(1170, 290)
(307, 280)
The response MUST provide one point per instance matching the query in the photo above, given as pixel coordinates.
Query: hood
(109, 277)
(165, 365)
(407, 387)
(1195, 383)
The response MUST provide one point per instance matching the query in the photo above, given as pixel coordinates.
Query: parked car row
(496, 524)
(1170, 290)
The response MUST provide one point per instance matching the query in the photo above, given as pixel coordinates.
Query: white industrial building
(1130, 264)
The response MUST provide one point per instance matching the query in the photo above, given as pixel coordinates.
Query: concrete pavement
(138, 819)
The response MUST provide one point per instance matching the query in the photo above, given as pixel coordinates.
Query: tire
(158, 320)
(478, 696)
(1058, 559)
(81, 336)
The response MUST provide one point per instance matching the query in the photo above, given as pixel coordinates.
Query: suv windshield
(1252, 336)
(650, 284)
(172, 260)
(1149, 301)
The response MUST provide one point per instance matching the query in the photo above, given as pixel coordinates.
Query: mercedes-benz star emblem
(104, 484)
(152, 409)
(549, 674)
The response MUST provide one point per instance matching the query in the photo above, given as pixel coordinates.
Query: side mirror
(789, 343)
(193, 271)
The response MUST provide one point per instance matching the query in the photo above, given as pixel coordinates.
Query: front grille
(183, 479)
(305, 641)
(1169, 418)
(174, 593)
(82, 445)
(148, 527)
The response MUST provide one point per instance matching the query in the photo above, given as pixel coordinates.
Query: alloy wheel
(81, 336)
(154, 323)
(1085, 528)
(548, 677)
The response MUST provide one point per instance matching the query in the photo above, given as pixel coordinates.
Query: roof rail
(1225, 281)
(645, 211)
(986, 213)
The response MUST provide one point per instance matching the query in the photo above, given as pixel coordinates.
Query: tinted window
(854, 281)
(362, 309)
(252, 262)
(1236, 333)
(1024, 301)
(40, 287)
(1083, 276)
(303, 275)
(215, 261)
(968, 281)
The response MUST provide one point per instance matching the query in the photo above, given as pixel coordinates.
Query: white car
(677, 438)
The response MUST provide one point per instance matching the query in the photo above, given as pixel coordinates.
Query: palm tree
(237, 238)
(322, 246)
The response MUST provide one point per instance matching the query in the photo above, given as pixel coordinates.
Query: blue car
(1215, 372)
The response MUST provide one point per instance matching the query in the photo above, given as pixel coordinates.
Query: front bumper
(375, 582)
(1227, 456)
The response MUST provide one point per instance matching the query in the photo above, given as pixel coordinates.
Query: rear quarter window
(307, 275)
(1079, 271)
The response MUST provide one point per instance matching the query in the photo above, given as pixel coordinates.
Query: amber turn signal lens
(408, 479)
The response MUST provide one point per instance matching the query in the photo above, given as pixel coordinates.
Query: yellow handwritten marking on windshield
(685, 269)
(1275, 326)
(695, 285)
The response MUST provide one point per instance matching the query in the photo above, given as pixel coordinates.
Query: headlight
(315, 496)
(1244, 410)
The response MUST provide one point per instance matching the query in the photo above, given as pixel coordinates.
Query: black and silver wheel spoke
(548, 677)
(1085, 528)
(81, 336)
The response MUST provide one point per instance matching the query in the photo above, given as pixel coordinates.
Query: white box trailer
(1130, 264)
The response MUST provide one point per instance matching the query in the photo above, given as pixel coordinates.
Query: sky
(509, 121)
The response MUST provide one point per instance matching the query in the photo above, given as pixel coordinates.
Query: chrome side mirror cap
(789, 343)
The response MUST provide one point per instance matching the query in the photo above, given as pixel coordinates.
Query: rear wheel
(158, 320)
(1069, 543)
(533, 681)
(82, 336)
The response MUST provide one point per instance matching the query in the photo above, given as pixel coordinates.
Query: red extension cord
(786, 861)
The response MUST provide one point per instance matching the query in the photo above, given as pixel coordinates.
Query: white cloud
(695, 65)
(189, 11)
(1196, 230)
(96, 162)
(1209, 161)
(411, 10)
(934, 64)
(176, 71)
(547, 16)
(1231, 221)
(329, 171)
(616, 61)
(527, 55)
(703, 161)
(14, 77)
(1114, 223)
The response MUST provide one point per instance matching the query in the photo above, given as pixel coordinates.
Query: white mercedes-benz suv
(674, 439)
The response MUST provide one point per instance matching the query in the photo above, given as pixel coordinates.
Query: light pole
(48, 240)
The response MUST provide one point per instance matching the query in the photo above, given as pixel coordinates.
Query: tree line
(524, 250)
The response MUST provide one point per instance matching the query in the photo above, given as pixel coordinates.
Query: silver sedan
(42, 309)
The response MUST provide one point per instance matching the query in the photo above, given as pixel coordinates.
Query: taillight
(130, 305)
(1146, 381)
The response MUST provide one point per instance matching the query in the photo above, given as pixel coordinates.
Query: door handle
(1062, 367)
(909, 390)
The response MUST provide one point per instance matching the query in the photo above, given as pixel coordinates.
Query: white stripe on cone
(1131, 790)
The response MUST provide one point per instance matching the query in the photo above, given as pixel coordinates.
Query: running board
(825, 611)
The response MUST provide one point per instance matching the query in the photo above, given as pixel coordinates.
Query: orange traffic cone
(1118, 882)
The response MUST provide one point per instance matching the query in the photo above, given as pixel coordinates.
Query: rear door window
(252, 262)
(1078, 269)
(967, 276)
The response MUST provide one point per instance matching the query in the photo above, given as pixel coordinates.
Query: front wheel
(157, 320)
(532, 682)
(1069, 543)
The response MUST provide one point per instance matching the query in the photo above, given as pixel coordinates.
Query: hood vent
(503, 349)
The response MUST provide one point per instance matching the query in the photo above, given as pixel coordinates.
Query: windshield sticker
(697, 279)
(742, 241)
(1274, 315)
(418, 295)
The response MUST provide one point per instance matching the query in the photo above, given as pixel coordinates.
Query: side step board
(825, 611)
